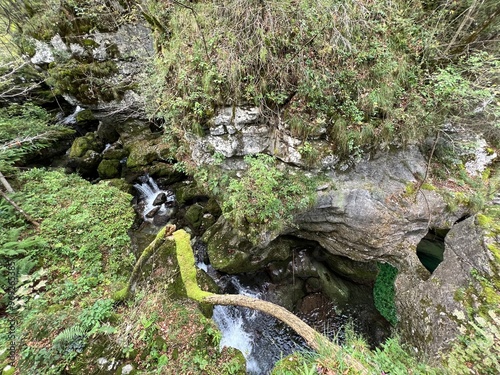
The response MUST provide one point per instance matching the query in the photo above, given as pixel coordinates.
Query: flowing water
(262, 339)
(149, 191)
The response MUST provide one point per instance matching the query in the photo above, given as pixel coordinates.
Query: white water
(149, 190)
(234, 323)
(253, 333)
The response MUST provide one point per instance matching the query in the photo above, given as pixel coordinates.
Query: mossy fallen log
(159, 240)
(186, 261)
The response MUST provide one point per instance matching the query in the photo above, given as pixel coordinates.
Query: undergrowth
(369, 73)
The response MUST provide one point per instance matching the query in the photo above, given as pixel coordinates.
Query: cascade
(154, 201)
(262, 339)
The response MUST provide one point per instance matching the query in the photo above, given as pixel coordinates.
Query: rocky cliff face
(430, 309)
(368, 210)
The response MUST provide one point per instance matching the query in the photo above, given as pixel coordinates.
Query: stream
(262, 339)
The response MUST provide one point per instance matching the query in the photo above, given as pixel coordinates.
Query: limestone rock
(426, 307)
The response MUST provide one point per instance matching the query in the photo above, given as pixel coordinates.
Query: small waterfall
(71, 119)
(262, 339)
(155, 202)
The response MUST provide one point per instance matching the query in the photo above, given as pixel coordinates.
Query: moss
(185, 257)
(121, 295)
(83, 144)
(9, 370)
(144, 151)
(410, 189)
(495, 251)
(428, 186)
(383, 292)
(109, 169)
(186, 193)
(85, 115)
(194, 215)
(87, 82)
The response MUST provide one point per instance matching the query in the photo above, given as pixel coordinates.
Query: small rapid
(154, 201)
(262, 339)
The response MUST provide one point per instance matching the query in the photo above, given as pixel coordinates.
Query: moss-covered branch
(186, 262)
(159, 240)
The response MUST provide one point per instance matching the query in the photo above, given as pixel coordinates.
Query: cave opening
(430, 249)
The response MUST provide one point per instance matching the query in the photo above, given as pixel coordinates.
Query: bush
(265, 198)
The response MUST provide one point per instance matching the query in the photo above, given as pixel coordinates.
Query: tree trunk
(20, 210)
(5, 183)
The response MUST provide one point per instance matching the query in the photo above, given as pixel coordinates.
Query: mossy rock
(142, 152)
(99, 347)
(194, 215)
(237, 362)
(84, 116)
(213, 207)
(88, 82)
(114, 154)
(129, 130)
(207, 220)
(188, 192)
(331, 285)
(109, 168)
(82, 145)
(165, 172)
(359, 272)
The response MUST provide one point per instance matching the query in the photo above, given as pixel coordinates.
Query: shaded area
(430, 249)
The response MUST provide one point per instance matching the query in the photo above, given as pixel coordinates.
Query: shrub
(265, 198)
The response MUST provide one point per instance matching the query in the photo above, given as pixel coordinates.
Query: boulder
(109, 169)
(83, 144)
(428, 309)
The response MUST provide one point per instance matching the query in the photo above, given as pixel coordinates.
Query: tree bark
(5, 183)
(20, 210)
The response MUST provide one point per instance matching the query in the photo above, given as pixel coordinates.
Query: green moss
(8, 370)
(495, 249)
(87, 82)
(109, 169)
(428, 186)
(484, 220)
(186, 260)
(85, 115)
(410, 189)
(121, 295)
(383, 292)
(83, 144)
(194, 215)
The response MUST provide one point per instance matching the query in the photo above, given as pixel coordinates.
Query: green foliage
(88, 82)
(383, 292)
(265, 198)
(479, 344)
(326, 63)
(81, 248)
(24, 130)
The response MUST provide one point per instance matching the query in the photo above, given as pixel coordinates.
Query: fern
(70, 339)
